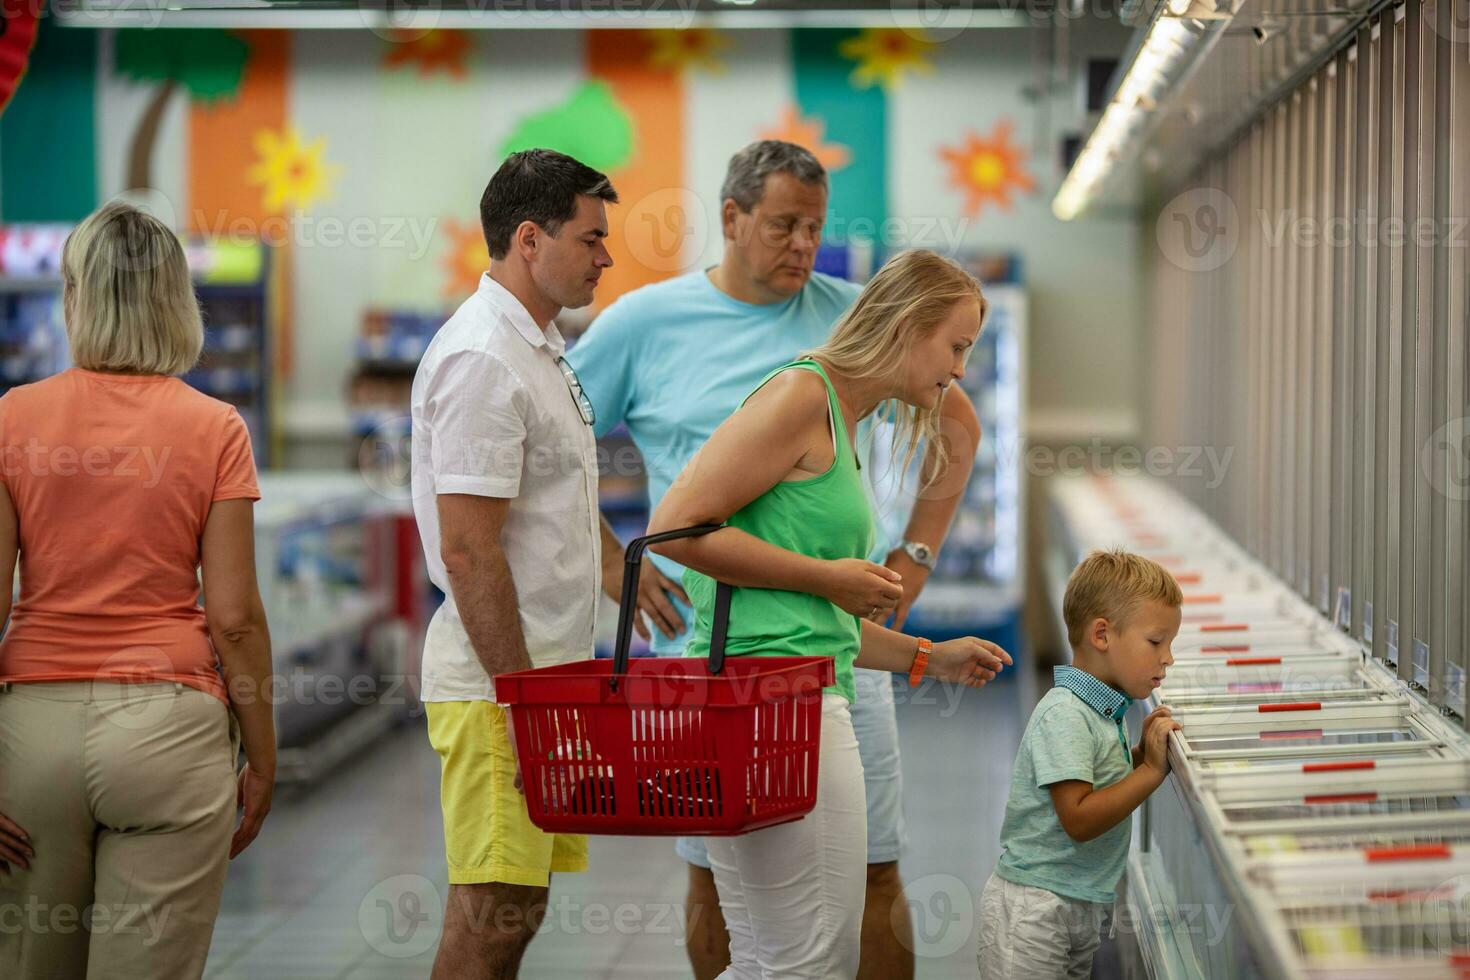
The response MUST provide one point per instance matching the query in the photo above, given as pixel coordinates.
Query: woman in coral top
(123, 701)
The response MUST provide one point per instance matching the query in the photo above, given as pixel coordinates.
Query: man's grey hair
(745, 181)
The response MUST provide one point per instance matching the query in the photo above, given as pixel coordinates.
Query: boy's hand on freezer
(1162, 711)
(862, 588)
(1156, 729)
(968, 660)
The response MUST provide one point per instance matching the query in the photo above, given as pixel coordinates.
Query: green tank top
(827, 516)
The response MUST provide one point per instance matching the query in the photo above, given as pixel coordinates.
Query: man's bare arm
(479, 577)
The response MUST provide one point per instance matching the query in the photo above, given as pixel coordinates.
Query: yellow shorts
(488, 835)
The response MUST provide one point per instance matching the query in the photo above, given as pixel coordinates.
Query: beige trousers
(128, 794)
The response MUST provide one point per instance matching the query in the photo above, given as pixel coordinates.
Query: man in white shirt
(505, 495)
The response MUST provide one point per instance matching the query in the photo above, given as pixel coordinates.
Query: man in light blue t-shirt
(672, 361)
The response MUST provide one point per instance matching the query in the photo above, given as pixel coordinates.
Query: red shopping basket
(668, 745)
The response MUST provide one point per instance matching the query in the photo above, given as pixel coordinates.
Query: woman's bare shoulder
(797, 395)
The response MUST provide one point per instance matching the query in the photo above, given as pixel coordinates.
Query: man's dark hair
(540, 186)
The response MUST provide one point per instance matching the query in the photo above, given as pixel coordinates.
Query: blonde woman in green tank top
(782, 475)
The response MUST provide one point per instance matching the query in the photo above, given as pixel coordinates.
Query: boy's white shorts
(1030, 933)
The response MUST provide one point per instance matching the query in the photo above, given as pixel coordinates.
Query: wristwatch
(921, 554)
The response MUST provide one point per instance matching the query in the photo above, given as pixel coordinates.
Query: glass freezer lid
(1303, 737)
(1346, 805)
(1262, 675)
(1205, 697)
(1265, 845)
(1416, 924)
(1194, 651)
(1328, 754)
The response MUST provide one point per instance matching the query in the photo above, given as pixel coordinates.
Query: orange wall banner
(223, 135)
(224, 140)
(649, 229)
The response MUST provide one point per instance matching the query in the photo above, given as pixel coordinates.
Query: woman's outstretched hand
(862, 588)
(968, 660)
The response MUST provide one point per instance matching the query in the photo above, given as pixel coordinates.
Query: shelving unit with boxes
(232, 280)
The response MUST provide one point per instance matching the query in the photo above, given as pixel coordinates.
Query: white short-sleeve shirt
(494, 416)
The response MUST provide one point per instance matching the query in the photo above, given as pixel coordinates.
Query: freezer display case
(976, 587)
(326, 560)
(1317, 820)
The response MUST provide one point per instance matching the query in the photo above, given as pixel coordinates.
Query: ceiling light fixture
(1175, 43)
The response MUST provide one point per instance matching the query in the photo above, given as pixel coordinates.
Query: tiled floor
(347, 880)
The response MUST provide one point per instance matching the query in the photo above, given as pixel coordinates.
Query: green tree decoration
(590, 126)
(207, 64)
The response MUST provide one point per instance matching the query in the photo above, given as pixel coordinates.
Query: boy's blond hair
(1112, 585)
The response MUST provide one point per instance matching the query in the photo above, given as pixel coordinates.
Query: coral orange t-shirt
(112, 477)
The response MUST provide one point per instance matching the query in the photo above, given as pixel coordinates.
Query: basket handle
(632, 565)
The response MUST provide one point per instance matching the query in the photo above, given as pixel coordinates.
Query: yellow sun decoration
(883, 55)
(289, 171)
(677, 50)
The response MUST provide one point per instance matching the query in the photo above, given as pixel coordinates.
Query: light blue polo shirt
(1076, 732)
(675, 359)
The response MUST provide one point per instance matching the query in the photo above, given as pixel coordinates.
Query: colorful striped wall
(365, 157)
(48, 171)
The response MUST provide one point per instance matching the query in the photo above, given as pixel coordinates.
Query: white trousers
(792, 895)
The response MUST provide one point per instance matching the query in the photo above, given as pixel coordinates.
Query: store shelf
(231, 280)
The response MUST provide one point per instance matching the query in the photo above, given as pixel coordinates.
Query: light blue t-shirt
(1076, 732)
(675, 359)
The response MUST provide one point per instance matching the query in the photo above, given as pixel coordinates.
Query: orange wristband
(921, 662)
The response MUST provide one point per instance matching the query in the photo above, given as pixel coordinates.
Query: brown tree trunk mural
(140, 154)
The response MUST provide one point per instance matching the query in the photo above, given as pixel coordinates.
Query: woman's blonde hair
(908, 298)
(129, 302)
(1112, 585)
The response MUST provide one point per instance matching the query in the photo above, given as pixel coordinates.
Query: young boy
(1076, 782)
